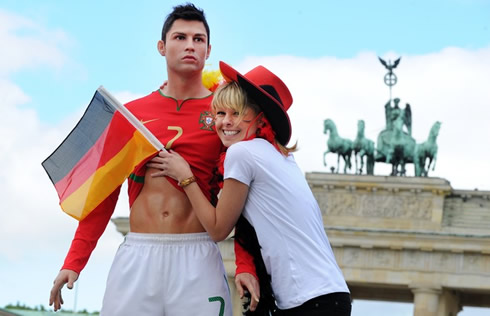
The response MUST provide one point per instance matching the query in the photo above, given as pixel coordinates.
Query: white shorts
(167, 275)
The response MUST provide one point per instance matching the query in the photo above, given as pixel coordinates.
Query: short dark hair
(188, 12)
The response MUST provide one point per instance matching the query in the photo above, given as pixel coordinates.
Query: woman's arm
(218, 221)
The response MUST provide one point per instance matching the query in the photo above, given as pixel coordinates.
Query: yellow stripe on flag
(108, 177)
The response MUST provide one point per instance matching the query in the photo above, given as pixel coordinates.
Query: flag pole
(132, 119)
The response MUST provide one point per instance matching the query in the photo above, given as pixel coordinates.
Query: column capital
(426, 298)
(428, 288)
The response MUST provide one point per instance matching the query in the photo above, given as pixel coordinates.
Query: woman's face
(232, 128)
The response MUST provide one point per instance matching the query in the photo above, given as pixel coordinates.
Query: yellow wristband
(187, 181)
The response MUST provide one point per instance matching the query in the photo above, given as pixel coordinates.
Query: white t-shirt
(287, 219)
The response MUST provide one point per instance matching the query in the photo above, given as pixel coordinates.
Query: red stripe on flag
(111, 141)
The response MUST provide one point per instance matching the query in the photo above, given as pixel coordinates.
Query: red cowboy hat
(270, 94)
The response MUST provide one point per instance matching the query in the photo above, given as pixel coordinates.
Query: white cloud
(27, 198)
(450, 86)
(29, 201)
(25, 44)
(38, 232)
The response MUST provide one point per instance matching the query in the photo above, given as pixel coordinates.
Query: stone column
(449, 303)
(426, 300)
(228, 254)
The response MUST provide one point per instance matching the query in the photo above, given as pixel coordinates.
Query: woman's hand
(170, 164)
(247, 282)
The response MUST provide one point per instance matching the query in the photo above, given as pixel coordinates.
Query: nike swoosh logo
(144, 122)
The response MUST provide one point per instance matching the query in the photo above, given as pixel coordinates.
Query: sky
(54, 55)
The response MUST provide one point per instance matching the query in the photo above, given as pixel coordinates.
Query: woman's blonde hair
(231, 96)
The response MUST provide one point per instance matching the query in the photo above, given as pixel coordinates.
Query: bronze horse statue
(363, 147)
(336, 144)
(426, 150)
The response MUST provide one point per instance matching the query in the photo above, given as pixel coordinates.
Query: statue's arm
(387, 112)
(408, 117)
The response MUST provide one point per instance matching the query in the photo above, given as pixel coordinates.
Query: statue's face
(437, 126)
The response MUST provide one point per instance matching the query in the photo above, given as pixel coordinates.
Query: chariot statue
(395, 145)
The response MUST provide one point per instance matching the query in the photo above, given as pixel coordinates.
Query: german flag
(98, 155)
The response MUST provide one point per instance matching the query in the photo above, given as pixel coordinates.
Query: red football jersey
(185, 126)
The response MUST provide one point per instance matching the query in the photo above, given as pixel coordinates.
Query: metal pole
(76, 297)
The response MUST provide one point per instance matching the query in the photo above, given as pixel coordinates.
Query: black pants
(334, 304)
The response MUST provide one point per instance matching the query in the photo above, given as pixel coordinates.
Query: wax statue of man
(168, 264)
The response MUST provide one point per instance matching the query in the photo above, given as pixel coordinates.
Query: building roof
(22, 312)
(4, 312)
